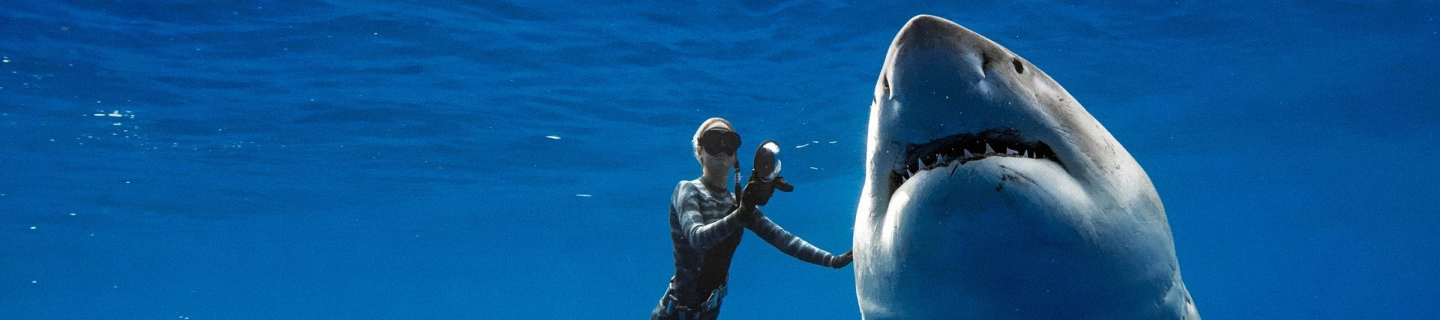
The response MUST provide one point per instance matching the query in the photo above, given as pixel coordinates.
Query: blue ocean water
(497, 160)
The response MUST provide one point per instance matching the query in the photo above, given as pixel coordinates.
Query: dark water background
(386, 160)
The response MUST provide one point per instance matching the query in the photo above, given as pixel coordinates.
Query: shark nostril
(1019, 67)
(885, 83)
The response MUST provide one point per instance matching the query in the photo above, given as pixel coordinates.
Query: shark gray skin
(990, 193)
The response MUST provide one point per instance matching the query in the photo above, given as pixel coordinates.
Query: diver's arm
(699, 234)
(794, 245)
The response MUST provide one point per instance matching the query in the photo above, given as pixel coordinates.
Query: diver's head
(715, 143)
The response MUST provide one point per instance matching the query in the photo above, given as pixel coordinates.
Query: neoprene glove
(757, 193)
(842, 260)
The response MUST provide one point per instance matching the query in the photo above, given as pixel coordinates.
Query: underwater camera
(767, 166)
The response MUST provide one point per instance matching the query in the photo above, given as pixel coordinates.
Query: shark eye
(1019, 68)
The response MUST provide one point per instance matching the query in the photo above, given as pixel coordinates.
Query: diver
(706, 223)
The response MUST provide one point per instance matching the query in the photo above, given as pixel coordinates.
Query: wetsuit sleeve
(789, 243)
(700, 235)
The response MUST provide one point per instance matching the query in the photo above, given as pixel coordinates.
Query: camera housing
(767, 164)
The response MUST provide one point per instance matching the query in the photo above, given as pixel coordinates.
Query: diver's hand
(746, 213)
(842, 260)
(757, 193)
(782, 185)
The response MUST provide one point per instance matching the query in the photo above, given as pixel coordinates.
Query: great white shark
(990, 193)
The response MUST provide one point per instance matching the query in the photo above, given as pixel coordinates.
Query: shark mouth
(965, 147)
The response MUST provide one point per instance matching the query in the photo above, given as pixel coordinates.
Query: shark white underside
(992, 194)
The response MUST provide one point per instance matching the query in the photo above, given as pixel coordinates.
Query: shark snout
(933, 42)
(928, 30)
(940, 79)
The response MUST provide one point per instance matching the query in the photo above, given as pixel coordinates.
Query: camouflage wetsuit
(705, 232)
